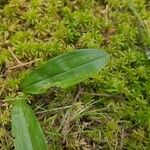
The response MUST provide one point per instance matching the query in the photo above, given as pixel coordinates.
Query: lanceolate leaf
(26, 129)
(65, 70)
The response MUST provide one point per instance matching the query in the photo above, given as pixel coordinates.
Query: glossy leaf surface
(65, 70)
(26, 129)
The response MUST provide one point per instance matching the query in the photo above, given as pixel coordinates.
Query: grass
(112, 110)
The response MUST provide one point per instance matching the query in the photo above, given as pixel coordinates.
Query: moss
(110, 111)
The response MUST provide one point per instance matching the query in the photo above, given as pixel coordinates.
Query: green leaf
(65, 70)
(26, 129)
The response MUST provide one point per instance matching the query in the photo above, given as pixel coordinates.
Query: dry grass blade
(143, 29)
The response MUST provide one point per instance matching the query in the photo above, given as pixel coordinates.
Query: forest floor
(111, 111)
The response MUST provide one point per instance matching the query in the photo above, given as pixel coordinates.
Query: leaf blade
(26, 129)
(65, 70)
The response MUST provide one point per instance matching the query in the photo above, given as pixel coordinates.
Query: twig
(54, 109)
(122, 137)
(3, 87)
(23, 64)
(19, 62)
(78, 94)
(97, 94)
(120, 96)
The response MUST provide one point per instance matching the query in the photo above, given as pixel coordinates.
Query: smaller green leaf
(26, 129)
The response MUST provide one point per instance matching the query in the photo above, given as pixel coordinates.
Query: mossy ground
(110, 111)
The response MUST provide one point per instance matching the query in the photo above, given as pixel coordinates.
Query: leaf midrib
(65, 71)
